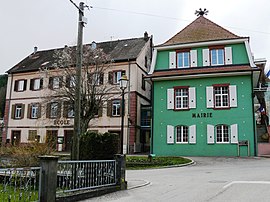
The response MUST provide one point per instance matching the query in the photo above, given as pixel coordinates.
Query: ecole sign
(202, 115)
(61, 122)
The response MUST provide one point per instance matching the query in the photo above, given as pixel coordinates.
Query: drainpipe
(128, 115)
(254, 121)
(152, 117)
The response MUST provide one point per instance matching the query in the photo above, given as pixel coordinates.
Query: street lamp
(123, 85)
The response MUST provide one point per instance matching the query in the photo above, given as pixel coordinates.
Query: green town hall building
(203, 80)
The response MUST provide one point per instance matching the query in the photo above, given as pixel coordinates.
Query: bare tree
(94, 90)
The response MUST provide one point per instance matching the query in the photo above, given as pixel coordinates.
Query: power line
(171, 18)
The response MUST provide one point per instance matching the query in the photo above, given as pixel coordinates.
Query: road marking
(245, 182)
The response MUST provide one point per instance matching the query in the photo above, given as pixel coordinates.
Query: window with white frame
(117, 76)
(34, 111)
(72, 81)
(96, 78)
(217, 56)
(181, 134)
(222, 134)
(56, 82)
(214, 56)
(20, 85)
(70, 112)
(36, 84)
(183, 59)
(54, 110)
(221, 94)
(18, 111)
(116, 108)
(181, 98)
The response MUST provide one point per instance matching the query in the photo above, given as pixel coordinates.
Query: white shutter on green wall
(193, 58)
(170, 134)
(172, 60)
(234, 133)
(192, 134)
(170, 98)
(210, 134)
(233, 96)
(192, 97)
(209, 97)
(206, 58)
(228, 55)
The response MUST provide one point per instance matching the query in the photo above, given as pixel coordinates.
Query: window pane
(36, 84)
(183, 59)
(181, 98)
(54, 108)
(116, 107)
(18, 111)
(20, 85)
(181, 134)
(34, 111)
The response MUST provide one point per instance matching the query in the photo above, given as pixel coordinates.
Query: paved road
(210, 179)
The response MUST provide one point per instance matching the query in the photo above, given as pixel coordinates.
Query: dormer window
(183, 59)
(217, 56)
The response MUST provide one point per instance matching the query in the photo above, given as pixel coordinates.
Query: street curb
(140, 185)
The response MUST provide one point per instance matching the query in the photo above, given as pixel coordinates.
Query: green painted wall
(238, 50)
(242, 115)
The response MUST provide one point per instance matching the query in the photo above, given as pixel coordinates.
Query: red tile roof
(200, 30)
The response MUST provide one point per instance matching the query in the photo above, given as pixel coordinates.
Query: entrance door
(51, 138)
(16, 137)
(68, 140)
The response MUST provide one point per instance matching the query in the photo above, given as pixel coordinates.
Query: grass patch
(143, 162)
(15, 194)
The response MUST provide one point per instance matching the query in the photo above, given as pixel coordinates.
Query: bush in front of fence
(24, 155)
(98, 146)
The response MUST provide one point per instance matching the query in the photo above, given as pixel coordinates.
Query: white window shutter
(192, 134)
(206, 57)
(210, 134)
(172, 60)
(234, 133)
(228, 55)
(209, 97)
(233, 96)
(193, 57)
(192, 97)
(170, 134)
(170, 98)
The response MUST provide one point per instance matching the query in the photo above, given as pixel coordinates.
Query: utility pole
(77, 104)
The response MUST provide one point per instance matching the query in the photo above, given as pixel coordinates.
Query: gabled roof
(119, 50)
(200, 30)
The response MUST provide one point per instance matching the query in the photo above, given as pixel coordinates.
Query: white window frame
(117, 76)
(20, 85)
(182, 134)
(18, 112)
(34, 111)
(116, 105)
(224, 130)
(184, 55)
(96, 79)
(70, 113)
(181, 100)
(56, 82)
(219, 60)
(72, 81)
(222, 96)
(36, 84)
(53, 109)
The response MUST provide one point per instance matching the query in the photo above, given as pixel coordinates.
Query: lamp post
(123, 85)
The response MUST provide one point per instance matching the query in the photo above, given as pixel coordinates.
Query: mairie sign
(202, 115)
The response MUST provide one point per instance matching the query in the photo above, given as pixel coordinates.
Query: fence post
(48, 179)
(121, 171)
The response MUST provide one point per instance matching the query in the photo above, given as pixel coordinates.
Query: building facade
(29, 118)
(203, 80)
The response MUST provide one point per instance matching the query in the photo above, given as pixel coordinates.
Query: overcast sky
(51, 24)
